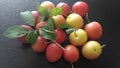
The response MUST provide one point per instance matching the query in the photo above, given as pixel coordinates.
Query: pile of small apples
(49, 27)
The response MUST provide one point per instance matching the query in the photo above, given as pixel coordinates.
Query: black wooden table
(13, 54)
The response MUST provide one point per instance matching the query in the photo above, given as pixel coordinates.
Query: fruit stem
(48, 42)
(103, 46)
(72, 65)
(75, 32)
(87, 17)
(59, 45)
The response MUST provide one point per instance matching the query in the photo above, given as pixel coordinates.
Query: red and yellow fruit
(40, 45)
(58, 20)
(78, 37)
(53, 52)
(93, 30)
(60, 36)
(71, 53)
(75, 20)
(65, 8)
(91, 50)
(80, 7)
(47, 5)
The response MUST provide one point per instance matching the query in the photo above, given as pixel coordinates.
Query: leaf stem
(59, 45)
(72, 65)
(87, 17)
(47, 31)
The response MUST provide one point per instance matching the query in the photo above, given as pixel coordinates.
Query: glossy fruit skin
(93, 30)
(78, 37)
(47, 5)
(60, 35)
(40, 25)
(65, 8)
(91, 50)
(36, 17)
(53, 53)
(22, 39)
(58, 19)
(71, 53)
(80, 7)
(75, 20)
(40, 45)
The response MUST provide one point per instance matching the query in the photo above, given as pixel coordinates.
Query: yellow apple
(78, 37)
(91, 50)
(75, 20)
(58, 19)
(47, 5)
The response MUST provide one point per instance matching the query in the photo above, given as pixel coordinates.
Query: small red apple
(60, 36)
(36, 17)
(93, 30)
(40, 25)
(80, 7)
(65, 8)
(22, 39)
(40, 45)
(71, 53)
(53, 52)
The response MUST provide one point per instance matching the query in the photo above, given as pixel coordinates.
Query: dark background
(13, 54)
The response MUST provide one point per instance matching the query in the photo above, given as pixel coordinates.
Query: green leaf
(47, 34)
(15, 32)
(47, 30)
(70, 30)
(28, 17)
(41, 18)
(56, 11)
(64, 25)
(43, 12)
(31, 37)
(50, 24)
